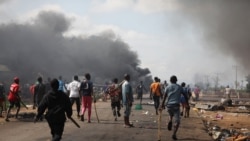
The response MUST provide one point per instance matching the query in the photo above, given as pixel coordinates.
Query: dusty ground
(195, 128)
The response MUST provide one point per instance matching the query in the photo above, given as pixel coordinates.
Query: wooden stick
(96, 113)
(159, 125)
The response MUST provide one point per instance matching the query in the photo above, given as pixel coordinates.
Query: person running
(39, 91)
(2, 99)
(115, 96)
(57, 103)
(184, 101)
(173, 92)
(74, 96)
(127, 99)
(14, 98)
(86, 90)
(155, 93)
(139, 89)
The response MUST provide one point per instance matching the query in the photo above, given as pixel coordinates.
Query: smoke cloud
(40, 48)
(224, 24)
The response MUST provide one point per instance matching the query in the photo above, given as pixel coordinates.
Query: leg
(170, 120)
(113, 105)
(84, 106)
(118, 108)
(56, 130)
(177, 122)
(126, 116)
(18, 108)
(8, 111)
(140, 98)
(89, 101)
(156, 103)
(78, 106)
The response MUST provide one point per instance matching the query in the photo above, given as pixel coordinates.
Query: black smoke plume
(224, 25)
(30, 50)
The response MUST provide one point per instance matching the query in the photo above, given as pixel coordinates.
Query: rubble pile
(225, 123)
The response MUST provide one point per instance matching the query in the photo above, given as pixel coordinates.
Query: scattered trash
(219, 116)
(202, 111)
(138, 107)
(242, 108)
(151, 103)
(243, 129)
(145, 113)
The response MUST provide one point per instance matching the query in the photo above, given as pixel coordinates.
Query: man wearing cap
(14, 98)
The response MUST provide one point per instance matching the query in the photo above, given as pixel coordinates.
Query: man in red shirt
(14, 98)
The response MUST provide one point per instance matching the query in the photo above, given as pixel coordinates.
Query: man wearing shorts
(14, 98)
(173, 92)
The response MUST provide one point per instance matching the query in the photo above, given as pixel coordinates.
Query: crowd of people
(57, 98)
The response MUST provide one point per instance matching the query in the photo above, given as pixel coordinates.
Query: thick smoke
(224, 24)
(29, 50)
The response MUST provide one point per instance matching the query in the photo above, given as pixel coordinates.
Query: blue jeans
(127, 110)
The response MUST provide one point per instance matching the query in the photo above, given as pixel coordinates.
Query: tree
(248, 83)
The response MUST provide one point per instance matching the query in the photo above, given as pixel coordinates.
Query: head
(141, 82)
(39, 79)
(87, 76)
(173, 79)
(16, 80)
(156, 79)
(60, 77)
(54, 84)
(227, 86)
(127, 77)
(76, 78)
(115, 80)
(183, 84)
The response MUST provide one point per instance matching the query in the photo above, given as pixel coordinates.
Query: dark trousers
(116, 104)
(156, 101)
(56, 130)
(77, 100)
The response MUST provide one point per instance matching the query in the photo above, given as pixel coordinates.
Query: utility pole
(216, 81)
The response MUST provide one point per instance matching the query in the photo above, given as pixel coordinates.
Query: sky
(194, 40)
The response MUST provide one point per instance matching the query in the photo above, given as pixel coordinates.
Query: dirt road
(145, 122)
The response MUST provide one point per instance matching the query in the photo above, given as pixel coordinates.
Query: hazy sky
(189, 39)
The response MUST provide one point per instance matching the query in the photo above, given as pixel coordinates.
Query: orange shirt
(155, 88)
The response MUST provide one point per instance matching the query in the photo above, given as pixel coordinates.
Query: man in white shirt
(74, 88)
(228, 92)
